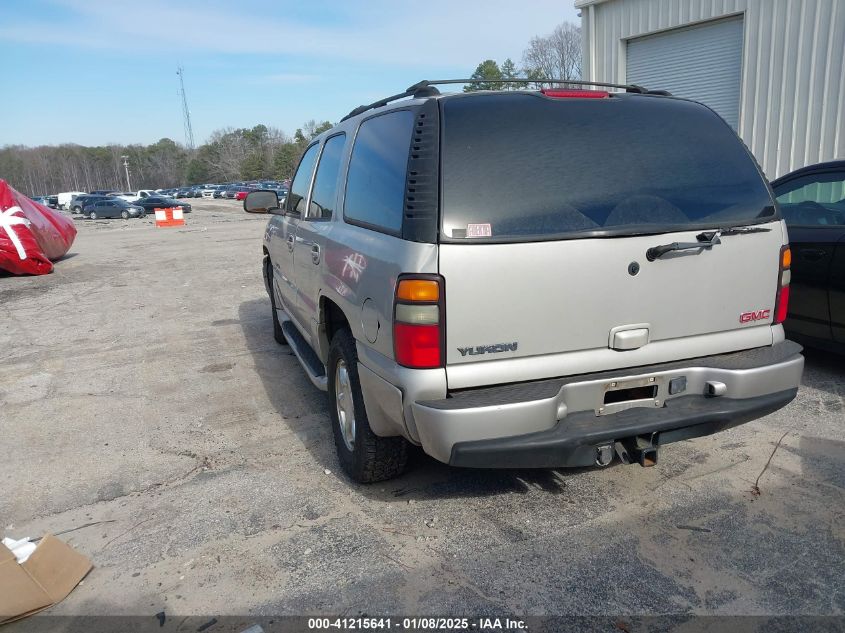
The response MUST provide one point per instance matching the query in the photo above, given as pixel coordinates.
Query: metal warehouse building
(774, 69)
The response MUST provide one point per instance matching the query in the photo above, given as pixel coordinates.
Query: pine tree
(488, 69)
(509, 71)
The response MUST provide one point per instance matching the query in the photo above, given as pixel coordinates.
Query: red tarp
(31, 234)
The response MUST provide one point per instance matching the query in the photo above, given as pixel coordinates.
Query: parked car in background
(241, 194)
(208, 191)
(182, 192)
(64, 199)
(53, 202)
(812, 201)
(132, 197)
(42, 200)
(563, 322)
(281, 194)
(102, 192)
(80, 202)
(151, 203)
(112, 208)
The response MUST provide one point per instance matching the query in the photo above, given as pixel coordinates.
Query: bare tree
(556, 56)
(231, 149)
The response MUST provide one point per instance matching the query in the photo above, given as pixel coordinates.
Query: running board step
(307, 357)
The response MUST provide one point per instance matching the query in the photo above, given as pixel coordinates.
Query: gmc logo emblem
(757, 315)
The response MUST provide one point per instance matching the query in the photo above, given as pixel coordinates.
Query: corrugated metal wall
(792, 100)
(701, 62)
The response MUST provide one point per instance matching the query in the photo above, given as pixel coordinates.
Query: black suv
(80, 202)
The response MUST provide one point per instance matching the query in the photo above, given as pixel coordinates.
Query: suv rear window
(523, 166)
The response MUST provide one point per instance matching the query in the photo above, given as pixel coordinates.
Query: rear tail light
(418, 322)
(556, 93)
(784, 277)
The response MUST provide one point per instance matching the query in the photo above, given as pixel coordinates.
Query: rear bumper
(561, 422)
(575, 441)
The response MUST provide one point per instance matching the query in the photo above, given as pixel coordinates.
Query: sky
(94, 72)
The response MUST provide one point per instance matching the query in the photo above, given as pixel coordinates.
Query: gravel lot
(140, 387)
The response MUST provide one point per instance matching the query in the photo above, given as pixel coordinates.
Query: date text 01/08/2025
(416, 624)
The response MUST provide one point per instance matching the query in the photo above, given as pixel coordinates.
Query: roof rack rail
(427, 88)
(577, 82)
(417, 90)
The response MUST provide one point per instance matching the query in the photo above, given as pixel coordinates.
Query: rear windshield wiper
(736, 230)
(705, 241)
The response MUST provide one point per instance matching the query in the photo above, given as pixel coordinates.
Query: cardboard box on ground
(49, 574)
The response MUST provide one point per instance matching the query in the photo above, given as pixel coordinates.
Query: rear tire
(368, 457)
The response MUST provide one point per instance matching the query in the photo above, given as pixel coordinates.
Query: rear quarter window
(375, 183)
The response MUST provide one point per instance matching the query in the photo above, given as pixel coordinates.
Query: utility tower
(186, 114)
(126, 167)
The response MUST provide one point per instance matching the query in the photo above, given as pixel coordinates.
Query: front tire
(92, 215)
(363, 455)
(124, 215)
(278, 333)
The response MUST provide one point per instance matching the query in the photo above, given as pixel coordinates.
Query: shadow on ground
(426, 478)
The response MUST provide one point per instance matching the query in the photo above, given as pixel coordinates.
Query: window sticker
(479, 230)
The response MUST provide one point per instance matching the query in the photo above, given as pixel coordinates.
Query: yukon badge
(488, 349)
(756, 315)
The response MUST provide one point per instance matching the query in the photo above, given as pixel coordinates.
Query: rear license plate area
(619, 395)
(616, 396)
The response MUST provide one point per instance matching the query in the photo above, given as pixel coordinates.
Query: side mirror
(261, 201)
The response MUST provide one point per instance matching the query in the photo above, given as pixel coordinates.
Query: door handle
(315, 253)
(290, 241)
(813, 254)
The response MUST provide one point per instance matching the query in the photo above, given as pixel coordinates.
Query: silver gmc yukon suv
(531, 278)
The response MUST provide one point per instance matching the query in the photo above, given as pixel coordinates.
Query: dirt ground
(141, 391)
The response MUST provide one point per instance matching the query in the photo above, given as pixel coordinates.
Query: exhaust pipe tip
(604, 455)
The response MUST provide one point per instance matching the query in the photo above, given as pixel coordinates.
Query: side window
(375, 186)
(813, 200)
(302, 180)
(324, 194)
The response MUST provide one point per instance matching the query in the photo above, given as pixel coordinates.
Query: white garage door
(700, 62)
